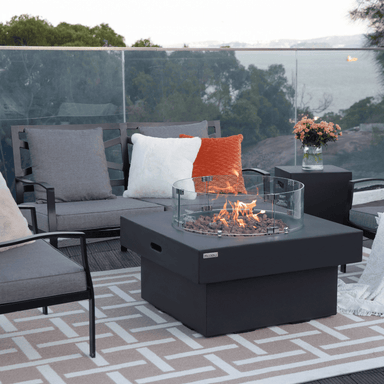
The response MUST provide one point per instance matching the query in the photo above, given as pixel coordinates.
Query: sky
(172, 23)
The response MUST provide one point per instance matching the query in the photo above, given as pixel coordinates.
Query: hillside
(354, 41)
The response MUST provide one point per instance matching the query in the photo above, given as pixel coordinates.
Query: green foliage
(33, 31)
(371, 12)
(144, 43)
(364, 111)
(262, 107)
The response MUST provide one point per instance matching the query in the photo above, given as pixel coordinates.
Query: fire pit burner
(247, 205)
(214, 226)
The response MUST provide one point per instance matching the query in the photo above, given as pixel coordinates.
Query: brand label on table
(210, 255)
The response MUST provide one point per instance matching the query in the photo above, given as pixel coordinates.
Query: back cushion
(219, 156)
(173, 131)
(71, 161)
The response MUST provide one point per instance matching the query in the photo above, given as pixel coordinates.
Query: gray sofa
(93, 203)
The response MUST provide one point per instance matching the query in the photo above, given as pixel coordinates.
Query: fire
(240, 212)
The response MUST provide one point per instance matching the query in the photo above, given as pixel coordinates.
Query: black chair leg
(54, 242)
(92, 328)
(123, 249)
(343, 268)
(45, 310)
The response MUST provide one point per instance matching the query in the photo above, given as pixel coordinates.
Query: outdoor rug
(136, 343)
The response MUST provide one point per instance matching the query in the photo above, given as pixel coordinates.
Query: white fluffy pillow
(13, 224)
(157, 163)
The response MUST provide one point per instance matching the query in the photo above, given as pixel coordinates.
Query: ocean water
(324, 73)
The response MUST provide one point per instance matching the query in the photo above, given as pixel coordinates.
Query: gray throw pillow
(173, 131)
(71, 161)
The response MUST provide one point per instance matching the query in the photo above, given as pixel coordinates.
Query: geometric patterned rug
(136, 343)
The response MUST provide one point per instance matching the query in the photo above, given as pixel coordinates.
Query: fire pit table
(217, 283)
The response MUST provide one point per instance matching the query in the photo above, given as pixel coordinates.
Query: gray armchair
(38, 275)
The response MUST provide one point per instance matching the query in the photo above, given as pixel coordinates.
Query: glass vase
(312, 158)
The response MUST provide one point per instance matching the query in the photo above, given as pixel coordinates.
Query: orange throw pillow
(219, 156)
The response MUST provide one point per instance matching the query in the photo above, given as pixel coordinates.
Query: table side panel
(281, 257)
(173, 255)
(271, 300)
(320, 243)
(174, 295)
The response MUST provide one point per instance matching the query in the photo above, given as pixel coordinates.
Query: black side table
(325, 193)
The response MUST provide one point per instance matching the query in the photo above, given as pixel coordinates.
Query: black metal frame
(44, 302)
(23, 184)
(353, 187)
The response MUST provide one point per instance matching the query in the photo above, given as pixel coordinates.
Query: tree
(33, 31)
(145, 43)
(371, 11)
(262, 106)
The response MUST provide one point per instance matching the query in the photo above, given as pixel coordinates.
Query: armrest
(50, 235)
(24, 180)
(361, 185)
(33, 216)
(257, 170)
(368, 180)
(40, 236)
(51, 205)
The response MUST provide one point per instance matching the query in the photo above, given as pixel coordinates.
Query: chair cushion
(157, 163)
(364, 215)
(12, 223)
(219, 156)
(71, 161)
(38, 270)
(93, 214)
(195, 129)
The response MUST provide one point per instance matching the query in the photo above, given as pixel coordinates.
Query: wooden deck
(106, 255)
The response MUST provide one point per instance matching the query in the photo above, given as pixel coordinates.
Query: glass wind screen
(253, 93)
(346, 87)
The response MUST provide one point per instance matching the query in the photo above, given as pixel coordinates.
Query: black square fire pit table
(219, 285)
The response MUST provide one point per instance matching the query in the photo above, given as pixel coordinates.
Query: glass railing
(257, 93)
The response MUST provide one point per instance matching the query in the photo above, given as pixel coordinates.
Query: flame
(240, 212)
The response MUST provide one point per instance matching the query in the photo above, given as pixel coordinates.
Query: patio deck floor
(106, 255)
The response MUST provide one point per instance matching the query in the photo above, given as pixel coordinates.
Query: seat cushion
(364, 215)
(194, 129)
(166, 203)
(71, 161)
(38, 270)
(93, 214)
